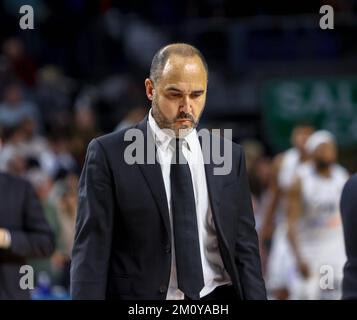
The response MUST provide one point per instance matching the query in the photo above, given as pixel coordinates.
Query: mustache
(184, 115)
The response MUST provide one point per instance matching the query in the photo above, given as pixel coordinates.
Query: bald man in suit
(166, 230)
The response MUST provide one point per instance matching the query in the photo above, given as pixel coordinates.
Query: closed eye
(175, 94)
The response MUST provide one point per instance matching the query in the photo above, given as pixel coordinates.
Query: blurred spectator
(24, 233)
(65, 194)
(273, 234)
(60, 161)
(258, 174)
(53, 95)
(17, 62)
(24, 148)
(84, 130)
(253, 151)
(53, 265)
(259, 169)
(259, 179)
(11, 158)
(32, 145)
(14, 108)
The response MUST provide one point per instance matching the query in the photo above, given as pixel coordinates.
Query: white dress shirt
(214, 273)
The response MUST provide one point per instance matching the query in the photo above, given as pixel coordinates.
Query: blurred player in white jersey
(280, 263)
(314, 222)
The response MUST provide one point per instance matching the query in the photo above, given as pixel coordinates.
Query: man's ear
(149, 87)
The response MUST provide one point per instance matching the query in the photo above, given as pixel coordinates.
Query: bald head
(179, 49)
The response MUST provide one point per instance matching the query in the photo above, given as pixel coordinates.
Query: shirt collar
(163, 137)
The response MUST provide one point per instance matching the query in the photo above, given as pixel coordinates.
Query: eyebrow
(174, 89)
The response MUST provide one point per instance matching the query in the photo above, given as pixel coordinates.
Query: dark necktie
(187, 249)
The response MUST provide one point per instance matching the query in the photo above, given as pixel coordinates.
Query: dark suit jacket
(349, 219)
(21, 213)
(123, 243)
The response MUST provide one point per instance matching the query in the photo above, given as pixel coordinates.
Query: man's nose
(186, 105)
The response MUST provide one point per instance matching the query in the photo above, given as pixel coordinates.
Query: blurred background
(80, 73)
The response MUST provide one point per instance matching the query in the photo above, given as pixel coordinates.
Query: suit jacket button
(168, 249)
(162, 289)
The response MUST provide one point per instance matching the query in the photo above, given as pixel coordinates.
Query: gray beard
(160, 119)
(163, 123)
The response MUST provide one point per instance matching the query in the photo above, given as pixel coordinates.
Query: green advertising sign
(329, 104)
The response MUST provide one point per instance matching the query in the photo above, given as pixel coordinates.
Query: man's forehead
(176, 63)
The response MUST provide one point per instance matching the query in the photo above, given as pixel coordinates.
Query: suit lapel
(153, 176)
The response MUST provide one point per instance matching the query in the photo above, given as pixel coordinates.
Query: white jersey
(320, 233)
(320, 202)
